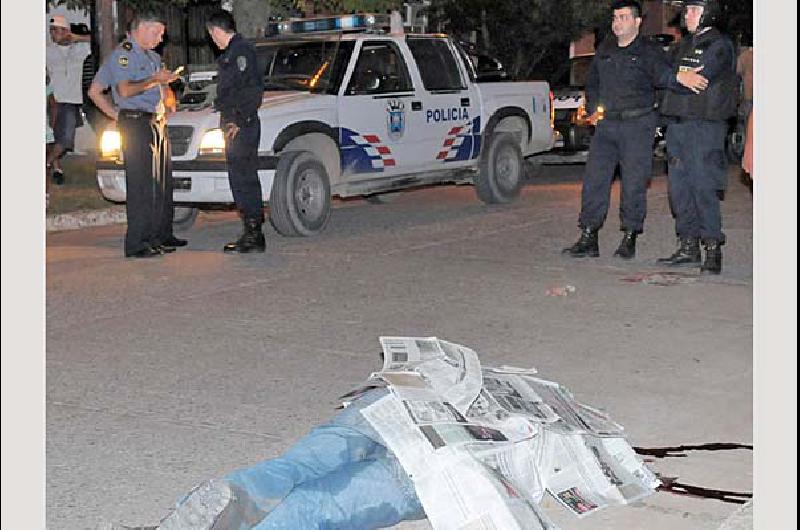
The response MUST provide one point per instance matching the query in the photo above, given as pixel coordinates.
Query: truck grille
(180, 136)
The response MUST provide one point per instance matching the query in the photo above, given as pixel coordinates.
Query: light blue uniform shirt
(130, 62)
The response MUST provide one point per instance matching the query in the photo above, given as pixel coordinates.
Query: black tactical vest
(719, 101)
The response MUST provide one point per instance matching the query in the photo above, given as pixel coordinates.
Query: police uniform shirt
(714, 52)
(625, 78)
(240, 82)
(709, 50)
(130, 62)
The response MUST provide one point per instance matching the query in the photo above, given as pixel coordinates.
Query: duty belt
(139, 115)
(626, 114)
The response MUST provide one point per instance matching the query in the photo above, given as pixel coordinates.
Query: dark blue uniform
(145, 147)
(623, 81)
(240, 86)
(696, 136)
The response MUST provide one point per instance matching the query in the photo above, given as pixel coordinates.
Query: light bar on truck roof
(300, 26)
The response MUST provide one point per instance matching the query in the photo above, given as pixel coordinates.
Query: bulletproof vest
(719, 100)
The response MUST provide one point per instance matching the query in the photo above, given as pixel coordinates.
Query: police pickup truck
(348, 113)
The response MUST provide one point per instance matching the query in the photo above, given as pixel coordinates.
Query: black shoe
(165, 249)
(587, 245)
(627, 247)
(58, 177)
(688, 253)
(173, 241)
(252, 240)
(713, 261)
(149, 252)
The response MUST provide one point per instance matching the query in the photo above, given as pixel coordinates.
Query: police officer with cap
(138, 83)
(240, 87)
(621, 98)
(696, 138)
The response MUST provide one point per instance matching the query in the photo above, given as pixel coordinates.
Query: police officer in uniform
(621, 98)
(240, 87)
(696, 138)
(138, 82)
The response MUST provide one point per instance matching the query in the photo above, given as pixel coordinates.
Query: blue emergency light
(359, 22)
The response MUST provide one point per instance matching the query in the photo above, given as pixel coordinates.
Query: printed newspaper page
(456, 490)
(452, 371)
(482, 446)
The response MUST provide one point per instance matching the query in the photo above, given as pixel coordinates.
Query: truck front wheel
(183, 217)
(501, 170)
(300, 200)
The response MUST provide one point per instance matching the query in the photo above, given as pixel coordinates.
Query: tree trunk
(251, 17)
(105, 29)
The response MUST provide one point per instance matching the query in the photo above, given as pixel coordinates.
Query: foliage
(136, 5)
(294, 7)
(530, 37)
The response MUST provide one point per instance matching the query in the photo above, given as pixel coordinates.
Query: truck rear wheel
(501, 170)
(300, 200)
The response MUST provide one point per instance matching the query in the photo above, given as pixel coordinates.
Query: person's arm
(102, 101)
(592, 87)
(747, 159)
(52, 110)
(128, 89)
(79, 38)
(664, 75)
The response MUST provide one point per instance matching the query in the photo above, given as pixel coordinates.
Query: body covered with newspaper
(433, 434)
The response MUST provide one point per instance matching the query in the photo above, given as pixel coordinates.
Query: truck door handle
(416, 105)
(465, 102)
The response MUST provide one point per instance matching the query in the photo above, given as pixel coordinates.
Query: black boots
(586, 245)
(251, 240)
(688, 253)
(713, 261)
(627, 247)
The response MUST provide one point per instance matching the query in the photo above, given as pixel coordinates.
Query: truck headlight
(110, 143)
(212, 143)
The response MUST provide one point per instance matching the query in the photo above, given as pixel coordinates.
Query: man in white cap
(65, 56)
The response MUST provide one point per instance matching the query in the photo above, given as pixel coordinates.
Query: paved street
(163, 373)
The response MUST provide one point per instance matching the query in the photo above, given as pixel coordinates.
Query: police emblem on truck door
(395, 119)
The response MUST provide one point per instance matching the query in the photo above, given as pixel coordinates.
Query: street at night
(166, 372)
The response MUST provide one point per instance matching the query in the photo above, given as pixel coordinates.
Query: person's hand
(595, 117)
(692, 80)
(231, 130)
(170, 101)
(164, 76)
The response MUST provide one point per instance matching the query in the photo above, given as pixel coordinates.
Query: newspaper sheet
(574, 417)
(456, 490)
(515, 395)
(482, 446)
(452, 371)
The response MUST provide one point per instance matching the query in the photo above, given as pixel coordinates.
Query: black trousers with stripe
(148, 177)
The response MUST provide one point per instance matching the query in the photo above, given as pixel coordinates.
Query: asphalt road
(163, 373)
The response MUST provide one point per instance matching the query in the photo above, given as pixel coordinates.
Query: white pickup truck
(358, 113)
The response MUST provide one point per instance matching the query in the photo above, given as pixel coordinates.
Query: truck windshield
(316, 65)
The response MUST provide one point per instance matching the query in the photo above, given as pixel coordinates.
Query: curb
(85, 218)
